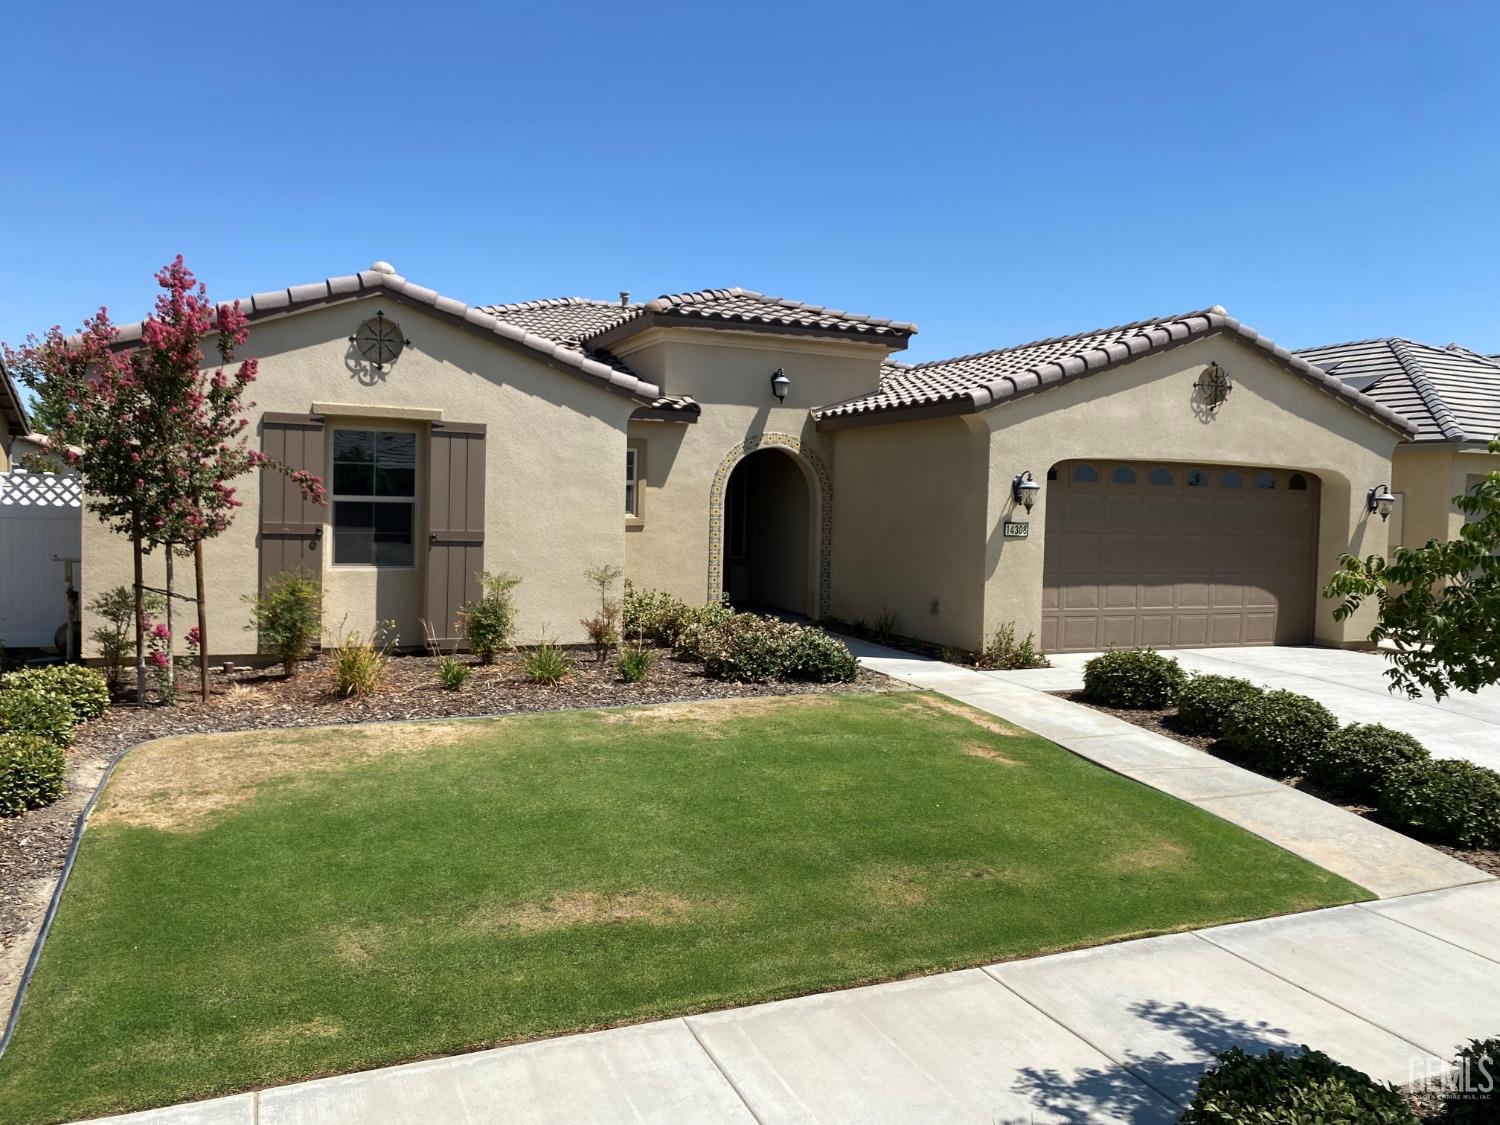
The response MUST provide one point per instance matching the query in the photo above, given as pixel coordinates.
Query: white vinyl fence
(41, 528)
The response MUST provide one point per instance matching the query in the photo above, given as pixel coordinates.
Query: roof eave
(1045, 376)
(889, 338)
(15, 405)
(369, 283)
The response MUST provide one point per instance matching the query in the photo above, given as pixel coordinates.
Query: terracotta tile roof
(1451, 393)
(567, 320)
(754, 310)
(984, 379)
(381, 278)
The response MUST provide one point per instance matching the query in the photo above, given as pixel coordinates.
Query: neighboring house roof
(12, 406)
(976, 382)
(1451, 393)
(381, 278)
(745, 309)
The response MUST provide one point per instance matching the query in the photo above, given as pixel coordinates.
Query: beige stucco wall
(555, 453)
(1145, 411)
(908, 527)
(730, 374)
(1427, 478)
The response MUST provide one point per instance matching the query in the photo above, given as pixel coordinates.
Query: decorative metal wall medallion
(379, 340)
(1213, 387)
(822, 518)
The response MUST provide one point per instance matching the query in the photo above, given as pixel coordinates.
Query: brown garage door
(1177, 555)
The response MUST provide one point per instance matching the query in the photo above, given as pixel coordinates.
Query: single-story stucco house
(1453, 395)
(1193, 483)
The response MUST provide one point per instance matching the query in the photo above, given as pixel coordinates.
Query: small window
(1298, 483)
(1123, 474)
(632, 482)
(1085, 474)
(1161, 476)
(1265, 479)
(1197, 478)
(1231, 479)
(374, 497)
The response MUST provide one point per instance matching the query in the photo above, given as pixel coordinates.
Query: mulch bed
(34, 846)
(1164, 722)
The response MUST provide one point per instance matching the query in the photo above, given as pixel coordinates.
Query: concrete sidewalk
(1386, 862)
(1116, 1033)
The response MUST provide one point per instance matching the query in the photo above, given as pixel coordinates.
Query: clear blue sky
(994, 172)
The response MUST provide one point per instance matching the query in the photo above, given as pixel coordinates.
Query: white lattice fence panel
(40, 525)
(40, 490)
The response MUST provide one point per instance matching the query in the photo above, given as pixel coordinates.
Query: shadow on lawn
(1133, 1090)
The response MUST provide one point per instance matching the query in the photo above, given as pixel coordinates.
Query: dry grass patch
(1160, 854)
(989, 754)
(980, 719)
(712, 714)
(593, 908)
(290, 1033)
(179, 784)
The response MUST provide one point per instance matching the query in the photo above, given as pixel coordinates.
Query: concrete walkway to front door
(1350, 684)
(1373, 856)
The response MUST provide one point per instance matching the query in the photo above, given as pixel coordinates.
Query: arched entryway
(769, 528)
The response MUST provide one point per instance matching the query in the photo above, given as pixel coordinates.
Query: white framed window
(632, 481)
(374, 498)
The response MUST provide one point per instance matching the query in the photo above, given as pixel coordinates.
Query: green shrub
(27, 710)
(359, 662)
(288, 617)
(698, 625)
(85, 690)
(1135, 678)
(490, 622)
(1356, 760)
(1203, 702)
(1446, 801)
(31, 773)
(652, 615)
(1278, 733)
(753, 649)
(634, 663)
(116, 636)
(1475, 1097)
(1283, 1088)
(547, 663)
(1004, 651)
(815, 656)
(453, 673)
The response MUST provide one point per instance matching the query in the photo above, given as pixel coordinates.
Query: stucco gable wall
(1146, 410)
(729, 374)
(554, 465)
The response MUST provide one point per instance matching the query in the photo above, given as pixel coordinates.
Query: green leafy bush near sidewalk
(1277, 733)
(1203, 702)
(1133, 678)
(84, 690)
(36, 711)
(32, 773)
(1446, 801)
(1286, 1088)
(1356, 761)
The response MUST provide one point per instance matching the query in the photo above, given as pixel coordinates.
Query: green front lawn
(252, 909)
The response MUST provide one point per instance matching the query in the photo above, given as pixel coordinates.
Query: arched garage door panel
(1177, 556)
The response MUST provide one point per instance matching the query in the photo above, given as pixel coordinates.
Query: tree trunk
(202, 621)
(170, 671)
(140, 612)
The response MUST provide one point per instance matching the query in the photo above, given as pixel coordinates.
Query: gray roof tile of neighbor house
(381, 278)
(1451, 393)
(985, 379)
(744, 308)
(12, 406)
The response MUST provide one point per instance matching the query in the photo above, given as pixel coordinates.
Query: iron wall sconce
(1381, 500)
(780, 384)
(1023, 490)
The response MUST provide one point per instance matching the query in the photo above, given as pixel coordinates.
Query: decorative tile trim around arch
(716, 509)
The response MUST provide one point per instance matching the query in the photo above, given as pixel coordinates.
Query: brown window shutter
(291, 527)
(455, 517)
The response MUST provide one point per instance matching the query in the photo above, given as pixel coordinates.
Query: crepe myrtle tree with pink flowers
(158, 438)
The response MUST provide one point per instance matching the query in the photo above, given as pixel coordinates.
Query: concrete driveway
(1350, 684)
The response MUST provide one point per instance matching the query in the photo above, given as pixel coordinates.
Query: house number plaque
(1019, 529)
